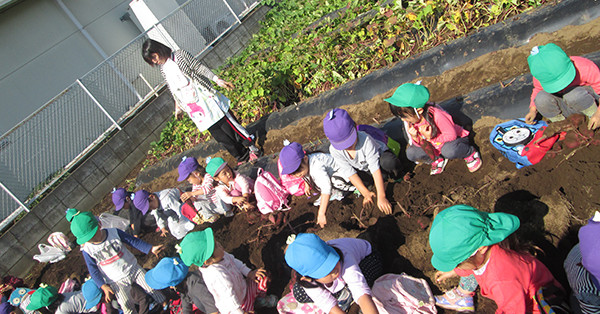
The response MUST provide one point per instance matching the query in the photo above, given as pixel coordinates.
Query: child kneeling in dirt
(189, 285)
(46, 299)
(235, 288)
(468, 242)
(356, 151)
(320, 173)
(206, 203)
(433, 136)
(138, 221)
(234, 188)
(563, 86)
(334, 273)
(165, 207)
(112, 266)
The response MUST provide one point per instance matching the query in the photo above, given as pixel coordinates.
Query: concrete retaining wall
(107, 166)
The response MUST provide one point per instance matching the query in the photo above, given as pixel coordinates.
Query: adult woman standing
(190, 84)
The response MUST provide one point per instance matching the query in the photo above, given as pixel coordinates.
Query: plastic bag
(111, 221)
(49, 254)
(60, 241)
(400, 294)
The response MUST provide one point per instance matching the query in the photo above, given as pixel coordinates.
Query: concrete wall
(105, 168)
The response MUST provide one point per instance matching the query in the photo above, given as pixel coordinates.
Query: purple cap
(340, 129)
(290, 157)
(187, 165)
(140, 201)
(589, 245)
(118, 198)
(6, 308)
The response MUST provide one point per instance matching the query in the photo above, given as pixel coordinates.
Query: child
(112, 266)
(433, 136)
(165, 207)
(327, 270)
(563, 86)
(190, 84)
(234, 188)
(203, 194)
(355, 151)
(233, 285)
(172, 272)
(46, 299)
(318, 171)
(466, 242)
(138, 221)
(582, 266)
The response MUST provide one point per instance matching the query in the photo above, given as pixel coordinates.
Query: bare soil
(552, 198)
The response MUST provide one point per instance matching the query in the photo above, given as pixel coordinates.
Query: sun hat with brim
(141, 201)
(197, 247)
(118, 198)
(410, 95)
(91, 293)
(42, 297)
(6, 308)
(186, 167)
(310, 256)
(340, 129)
(589, 245)
(550, 65)
(458, 231)
(215, 165)
(290, 157)
(83, 225)
(169, 272)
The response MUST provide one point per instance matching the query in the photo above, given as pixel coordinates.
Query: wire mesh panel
(8, 207)
(241, 7)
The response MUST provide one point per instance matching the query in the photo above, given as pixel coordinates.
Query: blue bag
(511, 138)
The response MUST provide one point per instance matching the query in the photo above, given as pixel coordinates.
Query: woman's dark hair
(296, 277)
(151, 46)
(405, 112)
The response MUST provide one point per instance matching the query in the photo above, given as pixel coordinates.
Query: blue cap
(169, 272)
(290, 157)
(91, 293)
(310, 256)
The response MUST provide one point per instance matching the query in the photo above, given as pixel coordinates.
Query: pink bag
(60, 241)
(294, 185)
(270, 195)
(401, 294)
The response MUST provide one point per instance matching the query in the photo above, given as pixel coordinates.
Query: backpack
(400, 294)
(270, 195)
(379, 135)
(516, 140)
(293, 185)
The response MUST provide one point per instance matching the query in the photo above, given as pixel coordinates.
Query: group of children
(479, 247)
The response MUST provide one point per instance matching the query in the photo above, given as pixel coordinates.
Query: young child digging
(356, 151)
(112, 266)
(138, 221)
(46, 299)
(165, 207)
(203, 195)
(234, 188)
(318, 171)
(433, 136)
(332, 274)
(466, 241)
(235, 288)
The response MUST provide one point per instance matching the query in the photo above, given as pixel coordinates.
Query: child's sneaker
(456, 301)
(438, 165)
(473, 161)
(268, 301)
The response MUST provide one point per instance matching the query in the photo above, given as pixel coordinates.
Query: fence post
(98, 104)
(149, 86)
(232, 12)
(14, 197)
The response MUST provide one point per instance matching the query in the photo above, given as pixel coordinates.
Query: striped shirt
(207, 188)
(580, 281)
(191, 67)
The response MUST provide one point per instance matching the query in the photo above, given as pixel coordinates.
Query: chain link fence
(42, 148)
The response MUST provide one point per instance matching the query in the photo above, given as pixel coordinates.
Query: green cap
(459, 230)
(550, 65)
(42, 297)
(197, 247)
(83, 225)
(409, 95)
(215, 165)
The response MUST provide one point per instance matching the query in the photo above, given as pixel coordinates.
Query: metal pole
(98, 104)
(14, 197)
(150, 86)
(230, 9)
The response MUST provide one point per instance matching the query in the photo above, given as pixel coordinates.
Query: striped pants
(122, 290)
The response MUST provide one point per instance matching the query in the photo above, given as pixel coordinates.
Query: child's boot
(473, 161)
(456, 300)
(438, 165)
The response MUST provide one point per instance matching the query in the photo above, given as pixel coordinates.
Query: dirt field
(552, 198)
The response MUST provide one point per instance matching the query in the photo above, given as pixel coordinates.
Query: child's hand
(384, 205)
(164, 232)
(425, 130)
(224, 84)
(238, 200)
(247, 206)
(594, 122)
(368, 199)
(441, 276)
(412, 131)
(530, 116)
(321, 220)
(257, 274)
(107, 292)
(184, 197)
(307, 189)
(157, 249)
